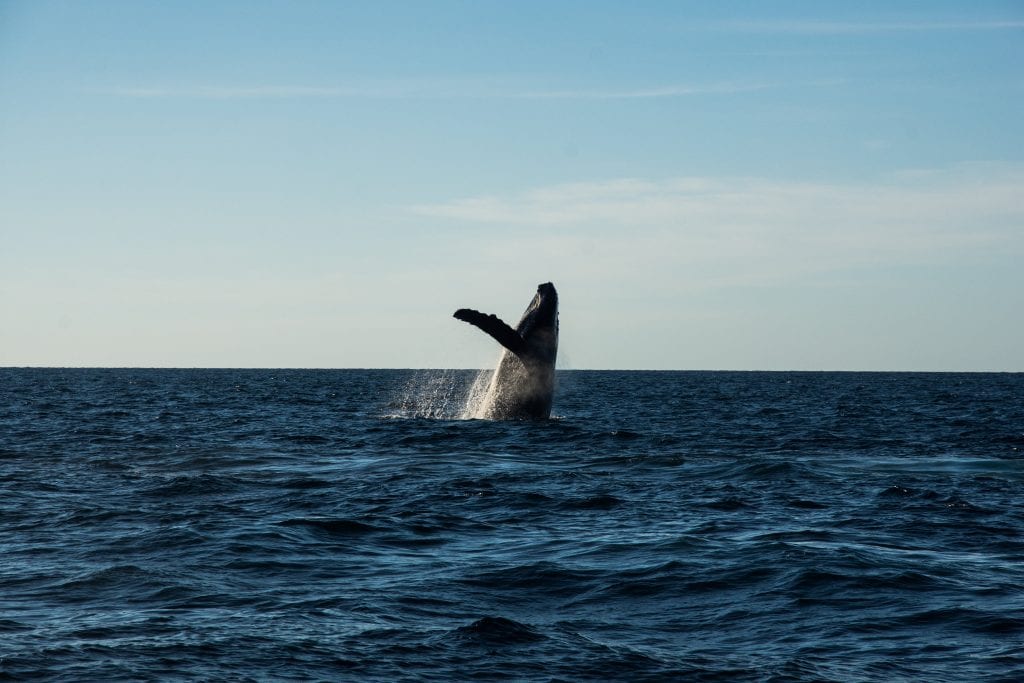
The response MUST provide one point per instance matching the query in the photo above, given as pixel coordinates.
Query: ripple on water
(348, 525)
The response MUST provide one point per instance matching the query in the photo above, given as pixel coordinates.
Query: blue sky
(803, 185)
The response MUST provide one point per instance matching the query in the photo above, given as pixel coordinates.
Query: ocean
(294, 525)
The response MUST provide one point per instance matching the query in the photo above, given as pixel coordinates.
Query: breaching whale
(524, 382)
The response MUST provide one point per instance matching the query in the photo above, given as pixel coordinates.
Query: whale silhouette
(523, 384)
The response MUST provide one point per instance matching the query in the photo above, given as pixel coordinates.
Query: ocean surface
(252, 525)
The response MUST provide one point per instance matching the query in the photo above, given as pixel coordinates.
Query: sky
(720, 186)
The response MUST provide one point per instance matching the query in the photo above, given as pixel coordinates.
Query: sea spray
(480, 397)
(432, 394)
(444, 395)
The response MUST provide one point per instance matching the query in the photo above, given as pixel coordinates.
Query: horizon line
(464, 369)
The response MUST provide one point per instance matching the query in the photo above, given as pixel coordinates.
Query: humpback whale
(524, 382)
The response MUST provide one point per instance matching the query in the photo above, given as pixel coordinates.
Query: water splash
(445, 395)
(434, 394)
(480, 397)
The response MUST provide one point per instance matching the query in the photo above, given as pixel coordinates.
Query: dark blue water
(303, 525)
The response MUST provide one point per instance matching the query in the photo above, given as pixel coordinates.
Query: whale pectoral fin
(494, 326)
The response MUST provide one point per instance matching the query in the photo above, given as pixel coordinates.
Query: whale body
(523, 384)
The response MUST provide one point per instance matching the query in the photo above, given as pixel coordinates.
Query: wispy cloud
(758, 230)
(643, 93)
(224, 92)
(854, 27)
(428, 89)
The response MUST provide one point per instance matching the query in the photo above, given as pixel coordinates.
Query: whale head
(542, 313)
(539, 326)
